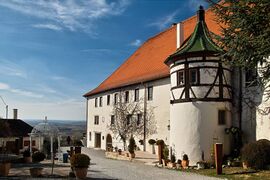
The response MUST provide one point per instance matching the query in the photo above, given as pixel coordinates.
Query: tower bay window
(221, 117)
(193, 76)
(180, 78)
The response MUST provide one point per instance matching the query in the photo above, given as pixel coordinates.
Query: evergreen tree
(245, 35)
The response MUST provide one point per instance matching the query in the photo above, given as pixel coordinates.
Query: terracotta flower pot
(132, 155)
(245, 165)
(4, 169)
(185, 164)
(27, 159)
(80, 172)
(171, 165)
(36, 172)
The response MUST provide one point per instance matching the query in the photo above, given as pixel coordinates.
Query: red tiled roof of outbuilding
(147, 62)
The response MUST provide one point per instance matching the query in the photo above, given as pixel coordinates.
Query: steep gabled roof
(147, 62)
(14, 128)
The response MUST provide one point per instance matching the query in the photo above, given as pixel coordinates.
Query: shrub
(256, 154)
(185, 157)
(160, 142)
(173, 158)
(165, 152)
(26, 153)
(38, 156)
(141, 142)
(179, 161)
(80, 160)
(132, 145)
(151, 141)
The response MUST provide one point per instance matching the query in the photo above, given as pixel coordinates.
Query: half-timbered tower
(200, 95)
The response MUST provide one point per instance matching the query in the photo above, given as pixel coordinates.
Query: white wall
(160, 104)
(194, 128)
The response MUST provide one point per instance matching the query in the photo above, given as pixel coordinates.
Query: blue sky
(54, 51)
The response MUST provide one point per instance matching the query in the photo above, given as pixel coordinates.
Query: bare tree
(128, 119)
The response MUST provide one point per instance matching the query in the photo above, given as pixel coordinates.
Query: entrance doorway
(97, 140)
(108, 142)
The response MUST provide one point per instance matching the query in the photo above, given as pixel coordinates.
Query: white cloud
(166, 21)
(136, 43)
(9, 68)
(6, 87)
(48, 26)
(68, 14)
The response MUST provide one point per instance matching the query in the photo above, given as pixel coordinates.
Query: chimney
(15, 113)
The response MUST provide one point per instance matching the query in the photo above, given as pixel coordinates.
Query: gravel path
(102, 168)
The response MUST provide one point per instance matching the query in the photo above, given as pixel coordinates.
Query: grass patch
(233, 173)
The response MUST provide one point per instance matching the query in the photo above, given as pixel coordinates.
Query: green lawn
(233, 173)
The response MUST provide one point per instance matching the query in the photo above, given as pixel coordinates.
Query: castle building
(194, 95)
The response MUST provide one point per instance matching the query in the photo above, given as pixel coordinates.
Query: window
(251, 76)
(115, 98)
(180, 78)
(136, 96)
(112, 119)
(193, 76)
(127, 96)
(150, 93)
(96, 120)
(100, 101)
(139, 119)
(108, 100)
(128, 119)
(221, 117)
(90, 136)
(95, 102)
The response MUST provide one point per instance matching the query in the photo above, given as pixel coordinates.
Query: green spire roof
(200, 40)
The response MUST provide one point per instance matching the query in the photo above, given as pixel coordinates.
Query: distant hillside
(66, 127)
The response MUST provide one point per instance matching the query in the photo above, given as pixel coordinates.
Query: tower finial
(200, 14)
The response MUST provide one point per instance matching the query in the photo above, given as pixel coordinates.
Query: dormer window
(180, 78)
(193, 76)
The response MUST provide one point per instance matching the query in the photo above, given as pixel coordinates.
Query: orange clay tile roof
(147, 62)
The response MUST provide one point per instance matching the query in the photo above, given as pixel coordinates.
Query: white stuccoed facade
(160, 104)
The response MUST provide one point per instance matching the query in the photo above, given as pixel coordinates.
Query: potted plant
(172, 163)
(4, 165)
(178, 164)
(119, 151)
(36, 158)
(152, 142)
(165, 155)
(185, 161)
(131, 147)
(27, 156)
(160, 143)
(201, 164)
(80, 164)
